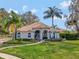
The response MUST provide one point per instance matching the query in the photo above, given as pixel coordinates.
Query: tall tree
(51, 12)
(74, 16)
(3, 15)
(29, 17)
(13, 21)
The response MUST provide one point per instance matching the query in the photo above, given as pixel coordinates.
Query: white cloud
(65, 4)
(12, 10)
(33, 10)
(24, 8)
(55, 17)
(63, 17)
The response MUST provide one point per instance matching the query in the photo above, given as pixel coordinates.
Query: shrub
(70, 36)
(30, 40)
(14, 42)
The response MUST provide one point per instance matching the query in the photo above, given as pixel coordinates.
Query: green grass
(1, 58)
(16, 42)
(48, 50)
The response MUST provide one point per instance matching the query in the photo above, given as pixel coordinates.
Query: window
(45, 36)
(45, 33)
(50, 35)
(19, 34)
(29, 35)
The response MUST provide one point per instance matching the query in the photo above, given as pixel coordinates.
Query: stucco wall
(24, 35)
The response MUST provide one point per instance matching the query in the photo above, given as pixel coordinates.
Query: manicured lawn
(1, 58)
(48, 50)
(16, 42)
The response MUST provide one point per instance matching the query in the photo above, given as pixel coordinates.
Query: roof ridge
(36, 25)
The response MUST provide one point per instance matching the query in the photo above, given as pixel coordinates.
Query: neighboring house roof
(36, 25)
(59, 30)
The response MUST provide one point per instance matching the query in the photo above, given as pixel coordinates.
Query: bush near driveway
(19, 41)
(70, 36)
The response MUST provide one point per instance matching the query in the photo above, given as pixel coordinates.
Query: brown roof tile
(36, 25)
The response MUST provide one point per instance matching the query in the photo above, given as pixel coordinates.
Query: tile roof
(36, 25)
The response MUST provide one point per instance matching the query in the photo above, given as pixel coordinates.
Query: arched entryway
(45, 34)
(37, 34)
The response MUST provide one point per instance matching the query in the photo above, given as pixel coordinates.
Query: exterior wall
(52, 35)
(57, 36)
(24, 35)
(41, 33)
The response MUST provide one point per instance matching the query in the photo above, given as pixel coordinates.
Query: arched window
(45, 34)
(29, 35)
(19, 34)
(49, 34)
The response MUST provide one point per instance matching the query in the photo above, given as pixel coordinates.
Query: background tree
(9, 21)
(3, 15)
(74, 16)
(29, 18)
(14, 20)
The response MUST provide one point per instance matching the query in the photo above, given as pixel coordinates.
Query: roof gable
(36, 25)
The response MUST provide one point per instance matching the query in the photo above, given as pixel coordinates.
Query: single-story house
(38, 31)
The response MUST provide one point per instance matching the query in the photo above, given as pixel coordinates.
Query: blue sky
(37, 7)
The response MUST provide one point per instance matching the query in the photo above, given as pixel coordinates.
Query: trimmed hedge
(70, 36)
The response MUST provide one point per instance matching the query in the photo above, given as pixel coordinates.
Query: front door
(37, 35)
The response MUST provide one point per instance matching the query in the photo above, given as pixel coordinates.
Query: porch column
(41, 34)
(48, 34)
(33, 34)
(52, 35)
(57, 36)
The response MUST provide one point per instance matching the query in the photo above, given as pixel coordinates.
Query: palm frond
(47, 16)
(47, 12)
(58, 15)
(51, 12)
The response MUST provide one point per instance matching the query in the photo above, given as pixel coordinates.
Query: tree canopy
(9, 18)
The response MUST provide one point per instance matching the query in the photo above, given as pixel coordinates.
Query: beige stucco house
(37, 31)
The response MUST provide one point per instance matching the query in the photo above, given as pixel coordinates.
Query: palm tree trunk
(52, 23)
(14, 31)
(53, 29)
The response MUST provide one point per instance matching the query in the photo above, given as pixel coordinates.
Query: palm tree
(51, 13)
(12, 22)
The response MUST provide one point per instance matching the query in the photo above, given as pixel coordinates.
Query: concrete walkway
(2, 40)
(21, 45)
(7, 56)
